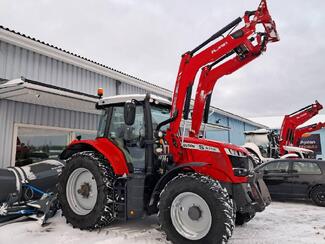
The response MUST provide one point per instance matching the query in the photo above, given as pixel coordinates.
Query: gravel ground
(282, 222)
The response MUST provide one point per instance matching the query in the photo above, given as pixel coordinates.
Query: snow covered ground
(282, 222)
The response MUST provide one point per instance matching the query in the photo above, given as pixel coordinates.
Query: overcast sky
(146, 39)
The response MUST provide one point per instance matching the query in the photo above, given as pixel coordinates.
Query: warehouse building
(54, 102)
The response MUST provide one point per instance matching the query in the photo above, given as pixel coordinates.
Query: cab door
(276, 175)
(129, 137)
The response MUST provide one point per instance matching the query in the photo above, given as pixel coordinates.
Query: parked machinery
(299, 132)
(265, 145)
(291, 122)
(29, 190)
(140, 164)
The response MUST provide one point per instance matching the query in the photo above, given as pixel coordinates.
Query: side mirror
(129, 112)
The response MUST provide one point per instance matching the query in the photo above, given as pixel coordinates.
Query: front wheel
(85, 191)
(196, 209)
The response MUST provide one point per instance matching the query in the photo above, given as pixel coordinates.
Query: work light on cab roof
(100, 92)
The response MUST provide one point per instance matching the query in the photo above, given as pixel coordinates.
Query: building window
(38, 143)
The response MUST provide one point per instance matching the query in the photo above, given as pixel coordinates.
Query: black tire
(317, 195)
(103, 212)
(220, 205)
(242, 218)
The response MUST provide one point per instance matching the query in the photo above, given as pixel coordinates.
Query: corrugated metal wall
(16, 62)
(235, 135)
(15, 112)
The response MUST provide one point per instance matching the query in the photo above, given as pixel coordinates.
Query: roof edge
(46, 49)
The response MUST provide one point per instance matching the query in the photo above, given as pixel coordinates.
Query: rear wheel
(86, 191)
(318, 195)
(196, 209)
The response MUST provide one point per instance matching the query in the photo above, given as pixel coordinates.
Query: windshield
(102, 123)
(159, 114)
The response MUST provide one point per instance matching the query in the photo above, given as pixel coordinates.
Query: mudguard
(189, 167)
(107, 148)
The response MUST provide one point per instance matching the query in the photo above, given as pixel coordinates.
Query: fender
(253, 147)
(105, 147)
(166, 178)
(292, 155)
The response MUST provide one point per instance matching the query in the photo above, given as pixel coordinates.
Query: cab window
(159, 114)
(129, 138)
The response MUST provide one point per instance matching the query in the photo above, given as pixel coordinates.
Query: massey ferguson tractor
(141, 164)
(265, 145)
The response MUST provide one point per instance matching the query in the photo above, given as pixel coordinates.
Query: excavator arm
(292, 121)
(298, 133)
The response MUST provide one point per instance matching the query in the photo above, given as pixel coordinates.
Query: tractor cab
(130, 121)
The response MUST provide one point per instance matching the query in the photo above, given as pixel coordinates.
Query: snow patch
(29, 174)
(289, 223)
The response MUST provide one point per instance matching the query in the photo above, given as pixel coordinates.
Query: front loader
(299, 132)
(141, 164)
(265, 145)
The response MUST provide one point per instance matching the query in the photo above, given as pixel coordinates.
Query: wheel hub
(85, 190)
(321, 196)
(194, 213)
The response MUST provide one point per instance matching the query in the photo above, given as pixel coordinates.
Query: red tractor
(140, 163)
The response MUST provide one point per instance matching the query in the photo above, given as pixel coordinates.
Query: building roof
(28, 91)
(41, 47)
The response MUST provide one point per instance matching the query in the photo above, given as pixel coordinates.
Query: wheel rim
(191, 216)
(81, 191)
(321, 196)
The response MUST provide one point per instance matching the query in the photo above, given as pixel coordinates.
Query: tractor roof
(138, 97)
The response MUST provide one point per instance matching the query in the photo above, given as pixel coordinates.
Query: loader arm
(298, 133)
(292, 121)
(192, 61)
(209, 78)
